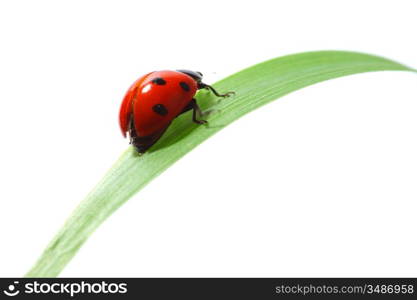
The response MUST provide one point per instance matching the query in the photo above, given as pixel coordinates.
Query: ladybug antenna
(198, 77)
(202, 85)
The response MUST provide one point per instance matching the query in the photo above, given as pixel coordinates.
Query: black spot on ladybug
(160, 109)
(159, 81)
(184, 86)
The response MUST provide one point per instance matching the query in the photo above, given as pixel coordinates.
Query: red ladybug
(155, 99)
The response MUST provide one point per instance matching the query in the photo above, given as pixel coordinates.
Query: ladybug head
(197, 76)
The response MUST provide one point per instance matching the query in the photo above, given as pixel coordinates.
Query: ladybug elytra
(155, 99)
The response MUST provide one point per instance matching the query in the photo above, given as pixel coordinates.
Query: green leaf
(254, 87)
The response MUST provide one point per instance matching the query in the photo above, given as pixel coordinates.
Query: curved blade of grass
(254, 87)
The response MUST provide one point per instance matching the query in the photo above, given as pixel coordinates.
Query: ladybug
(155, 100)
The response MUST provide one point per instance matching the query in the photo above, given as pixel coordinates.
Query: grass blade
(254, 87)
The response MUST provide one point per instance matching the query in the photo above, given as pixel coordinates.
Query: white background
(329, 188)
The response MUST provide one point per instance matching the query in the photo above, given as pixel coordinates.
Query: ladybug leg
(188, 107)
(133, 136)
(132, 131)
(209, 87)
(191, 105)
(143, 143)
(196, 111)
